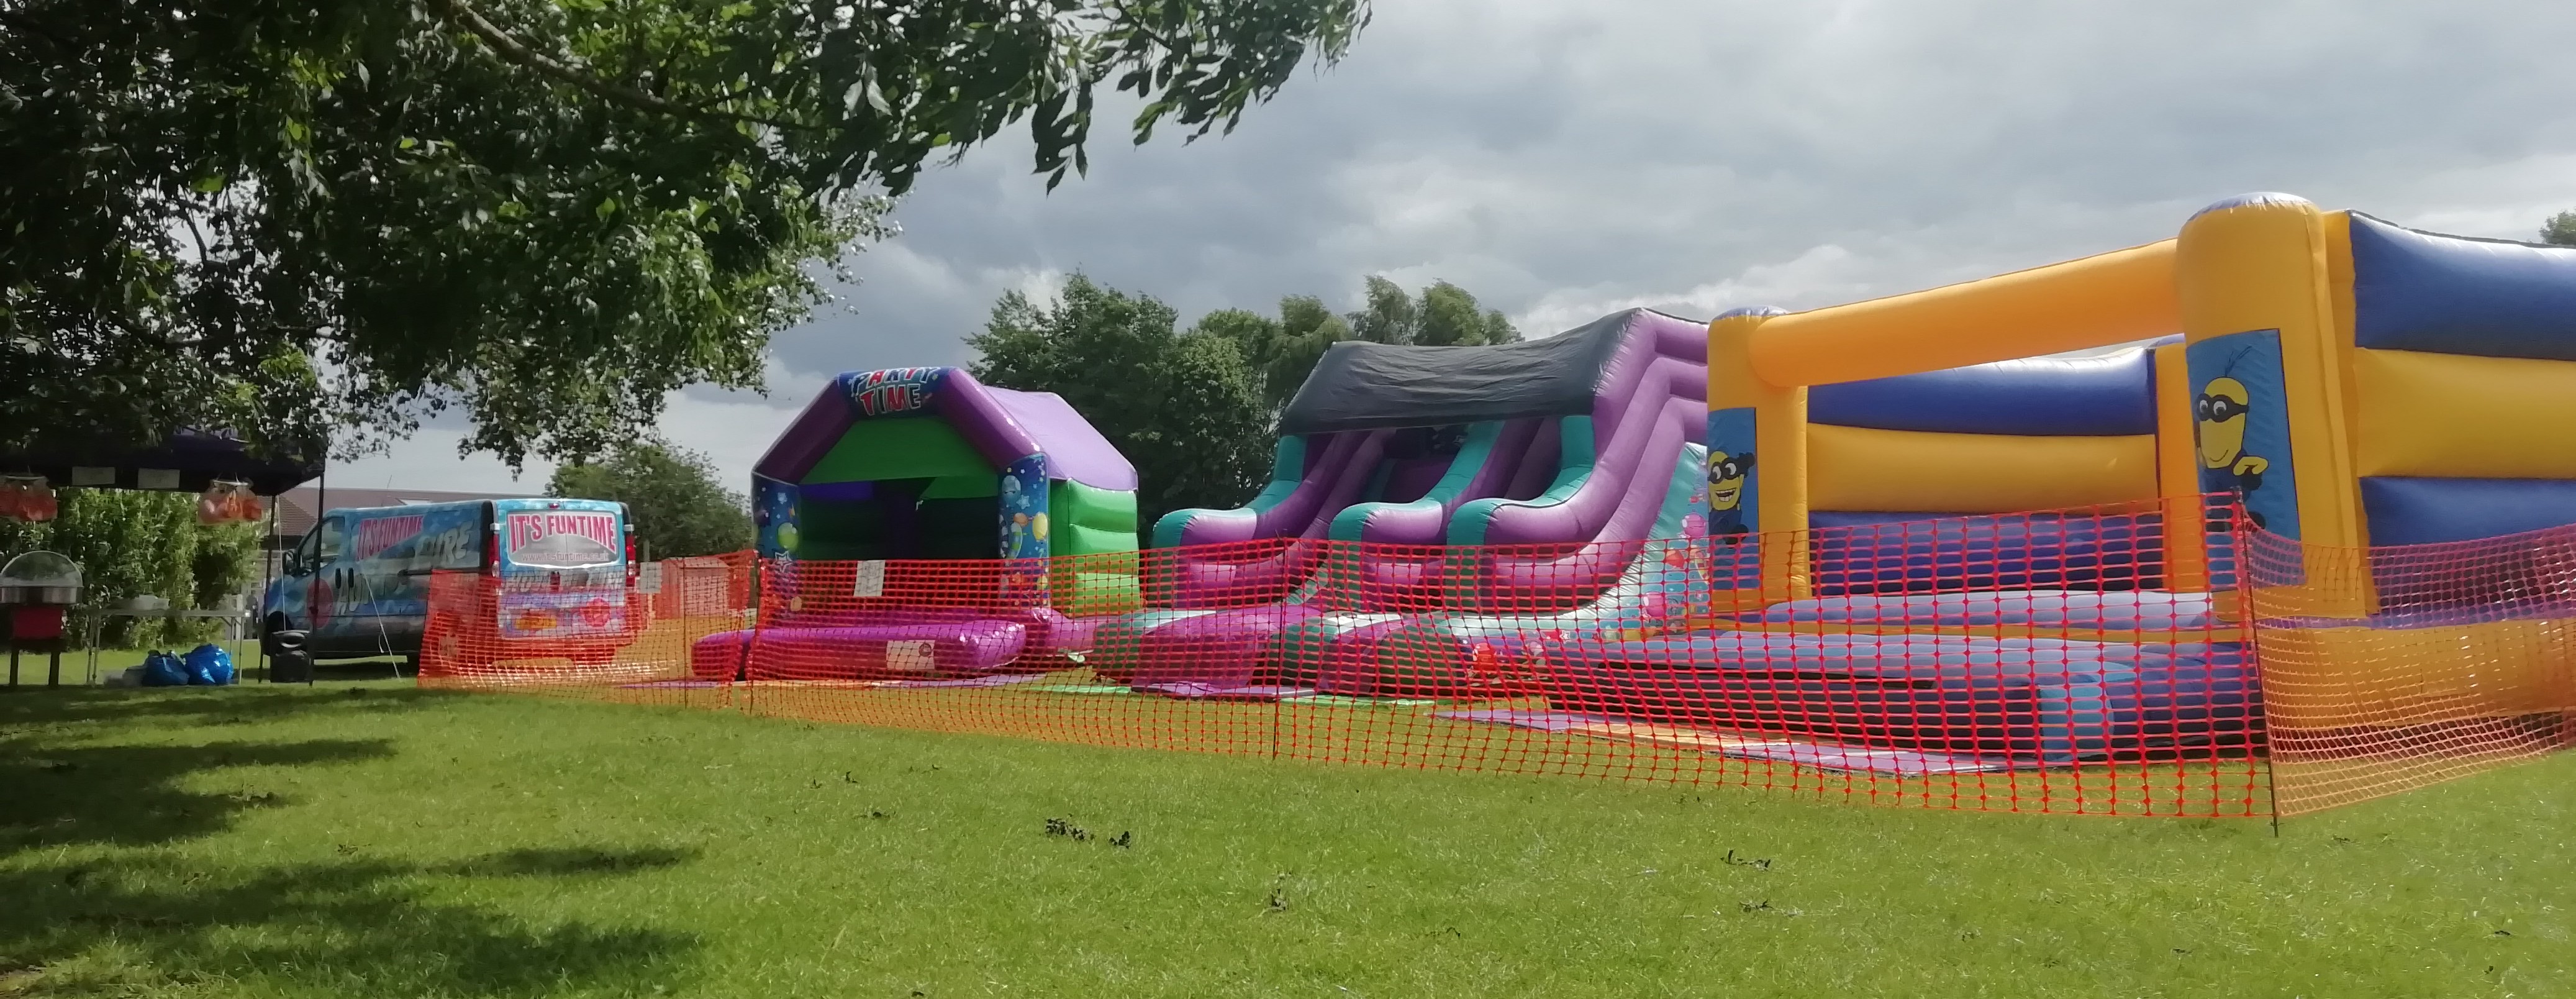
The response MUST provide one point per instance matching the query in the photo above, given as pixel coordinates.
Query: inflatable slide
(1429, 482)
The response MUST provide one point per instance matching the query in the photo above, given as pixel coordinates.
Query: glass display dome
(40, 578)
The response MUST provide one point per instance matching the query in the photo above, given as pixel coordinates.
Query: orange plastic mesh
(626, 642)
(2057, 662)
(2391, 668)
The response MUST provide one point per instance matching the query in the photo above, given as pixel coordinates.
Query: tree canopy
(1184, 407)
(1284, 349)
(299, 218)
(1195, 410)
(2560, 230)
(672, 495)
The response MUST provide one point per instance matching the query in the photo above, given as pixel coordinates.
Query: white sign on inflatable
(910, 657)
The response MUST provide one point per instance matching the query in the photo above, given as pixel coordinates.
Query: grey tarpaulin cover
(1359, 385)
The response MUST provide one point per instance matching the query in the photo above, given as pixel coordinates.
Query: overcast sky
(1564, 160)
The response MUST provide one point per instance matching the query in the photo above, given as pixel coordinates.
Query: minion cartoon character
(2221, 411)
(1727, 474)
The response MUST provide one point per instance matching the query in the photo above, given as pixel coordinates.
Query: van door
(564, 570)
(287, 606)
(394, 551)
(328, 588)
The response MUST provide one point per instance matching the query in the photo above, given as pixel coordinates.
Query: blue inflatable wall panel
(2415, 511)
(1857, 553)
(2449, 295)
(2109, 396)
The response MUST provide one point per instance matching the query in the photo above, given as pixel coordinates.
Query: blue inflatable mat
(2050, 700)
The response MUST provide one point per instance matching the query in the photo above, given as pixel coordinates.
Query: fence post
(738, 686)
(2240, 547)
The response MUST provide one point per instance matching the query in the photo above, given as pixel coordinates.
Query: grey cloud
(1647, 150)
(1561, 160)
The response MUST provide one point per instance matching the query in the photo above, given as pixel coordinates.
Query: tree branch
(512, 49)
(126, 323)
(36, 28)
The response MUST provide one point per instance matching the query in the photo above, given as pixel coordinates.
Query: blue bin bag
(161, 669)
(208, 665)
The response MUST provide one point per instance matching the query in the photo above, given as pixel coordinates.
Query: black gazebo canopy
(186, 460)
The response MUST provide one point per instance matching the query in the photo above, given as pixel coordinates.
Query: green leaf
(551, 334)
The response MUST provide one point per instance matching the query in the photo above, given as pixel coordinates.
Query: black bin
(290, 660)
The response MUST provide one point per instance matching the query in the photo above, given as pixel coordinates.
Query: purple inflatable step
(1228, 648)
(917, 650)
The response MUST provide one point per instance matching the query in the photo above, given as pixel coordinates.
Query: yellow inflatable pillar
(2178, 475)
(1762, 428)
(2268, 351)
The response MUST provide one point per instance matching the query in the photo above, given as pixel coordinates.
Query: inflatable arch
(2356, 383)
(930, 463)
(2360, 388)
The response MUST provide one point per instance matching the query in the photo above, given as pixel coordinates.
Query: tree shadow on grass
(96, 769)
(131, 795)
(173, 706)
(353, 928)
(566, 862)
(89, 766)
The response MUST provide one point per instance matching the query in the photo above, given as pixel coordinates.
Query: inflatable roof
(1359, 385)
(1004, 425)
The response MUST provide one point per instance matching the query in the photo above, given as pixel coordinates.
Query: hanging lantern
(28, 498)
(228, 502)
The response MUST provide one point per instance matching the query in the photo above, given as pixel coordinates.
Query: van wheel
(274, 623)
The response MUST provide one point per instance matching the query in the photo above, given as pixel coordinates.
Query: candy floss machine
(36, 589)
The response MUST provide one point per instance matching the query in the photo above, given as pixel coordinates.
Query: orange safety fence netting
(2386, 669)
(630, 642)
(2075, 661)
(2068, 661)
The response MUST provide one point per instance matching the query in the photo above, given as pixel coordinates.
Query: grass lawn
(368, 839)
